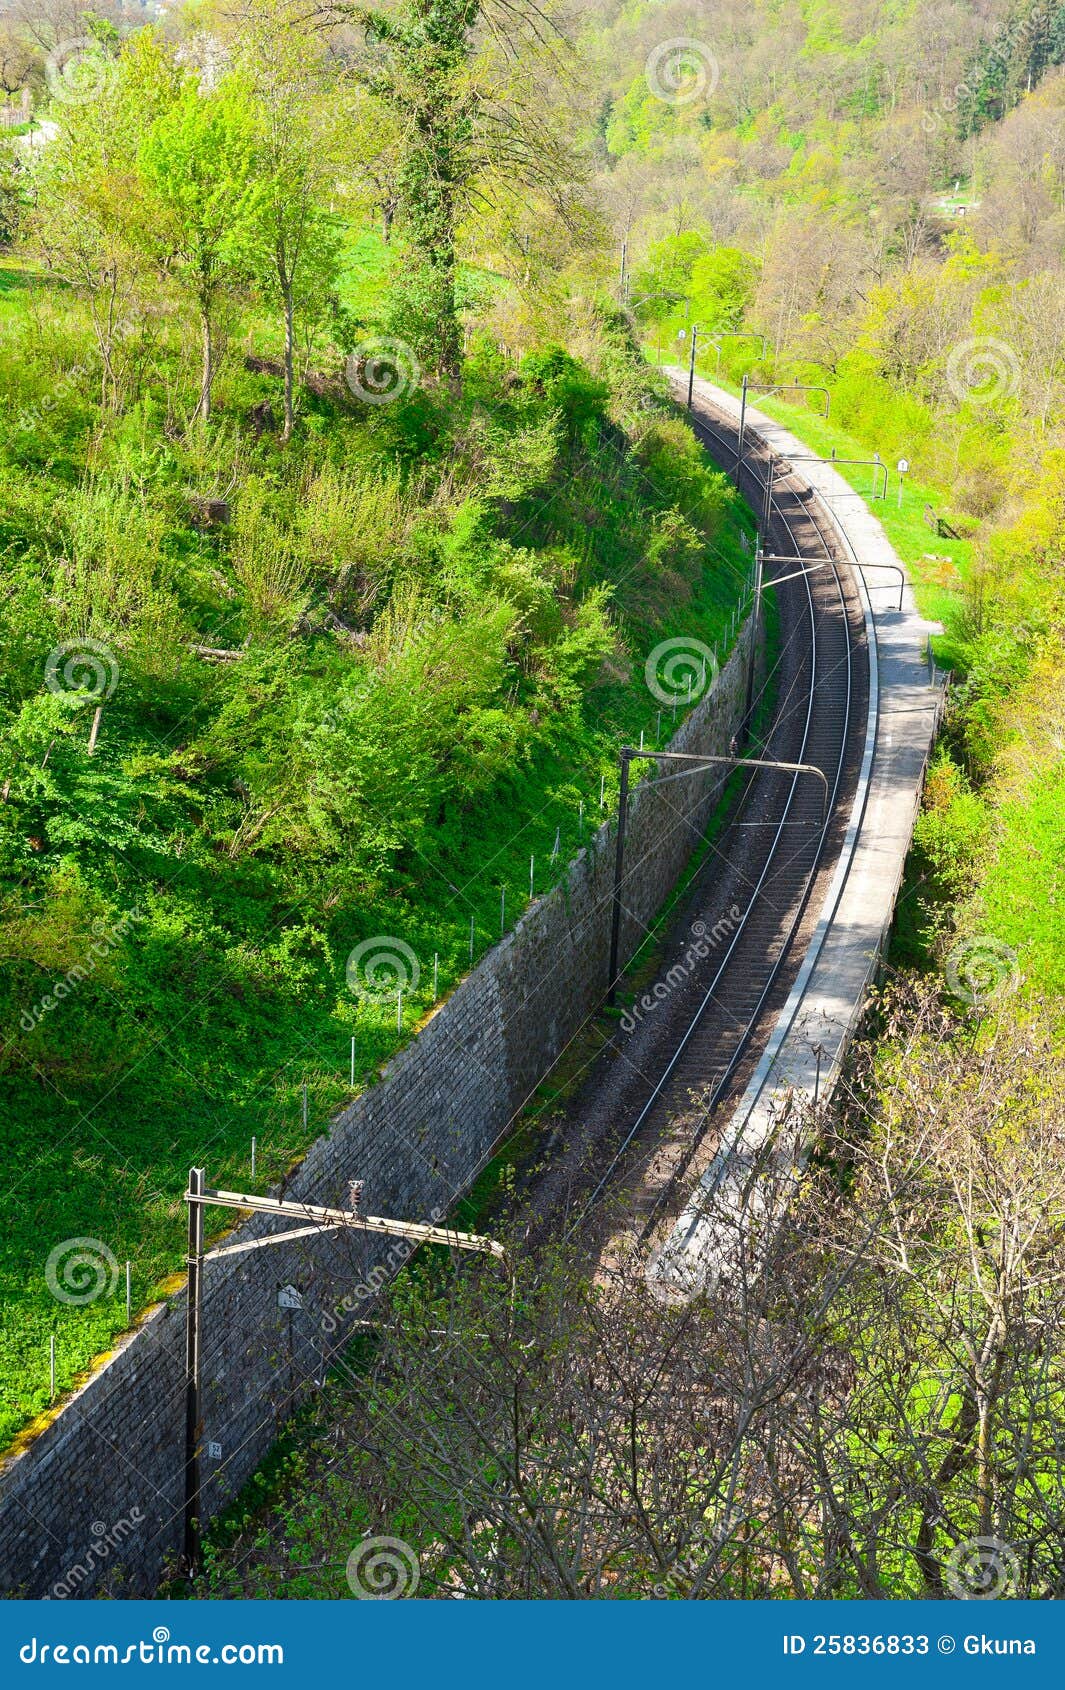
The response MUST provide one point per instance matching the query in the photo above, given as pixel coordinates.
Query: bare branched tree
(859, 1393)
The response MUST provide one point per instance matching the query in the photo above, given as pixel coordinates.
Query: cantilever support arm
(198, 1197)
(736, 763)
(821, 562)
(627, 755)
(418, 1231)
(794, 387)
(868, 463)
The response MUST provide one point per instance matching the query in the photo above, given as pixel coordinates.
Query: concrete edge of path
(844, 951)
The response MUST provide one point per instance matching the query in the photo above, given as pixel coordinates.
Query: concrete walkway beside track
(843, 955)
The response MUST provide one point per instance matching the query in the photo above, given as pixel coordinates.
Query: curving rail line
(777, 836)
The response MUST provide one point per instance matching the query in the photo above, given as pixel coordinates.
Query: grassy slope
(252, 1013)
(1015, 889)
(937, 567)
(1019, 891)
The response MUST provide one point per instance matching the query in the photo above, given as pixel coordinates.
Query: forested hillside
(341, 510)
(881, 196)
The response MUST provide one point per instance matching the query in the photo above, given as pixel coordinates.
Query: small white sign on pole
(289, 1298)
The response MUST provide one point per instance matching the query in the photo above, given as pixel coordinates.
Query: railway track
(662, 1091)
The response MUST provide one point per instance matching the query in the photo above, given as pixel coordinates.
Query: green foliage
(12, 194)
(1022, 894)
(426, 81)
(198, 158)
(1000, 71)
(951, 829)
(436, 613)
(199, 164)
(721, 286)
(570, 391)
(665, 279)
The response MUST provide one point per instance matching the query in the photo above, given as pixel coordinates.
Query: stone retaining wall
(94, 1502)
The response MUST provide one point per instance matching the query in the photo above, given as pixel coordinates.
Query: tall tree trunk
(203, 408)
(959, 1456)
(432, 47)
(290, 337)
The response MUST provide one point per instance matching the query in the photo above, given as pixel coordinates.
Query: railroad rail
(779, 844)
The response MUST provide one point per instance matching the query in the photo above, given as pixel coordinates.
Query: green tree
(423, 73)
(665, 279)
(722, 286)
(461, 80)
(300, 116)
(89, 215)
(201, 161)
